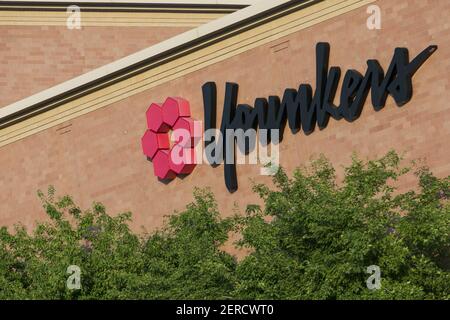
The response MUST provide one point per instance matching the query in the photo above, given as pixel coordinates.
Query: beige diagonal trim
(181, 66)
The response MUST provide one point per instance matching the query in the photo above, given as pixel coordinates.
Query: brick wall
(35, 58)
(98, 156)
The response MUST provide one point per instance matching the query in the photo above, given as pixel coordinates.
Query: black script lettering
(301, 109)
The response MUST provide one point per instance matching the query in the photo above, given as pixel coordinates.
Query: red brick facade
(39, 57)
(98, 156)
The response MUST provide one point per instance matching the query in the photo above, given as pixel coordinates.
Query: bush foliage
(312, 239)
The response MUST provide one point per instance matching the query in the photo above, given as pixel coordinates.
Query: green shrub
(313, 239)
(321, 236)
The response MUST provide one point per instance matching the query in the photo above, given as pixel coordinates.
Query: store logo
(179, 159)
(300, 109)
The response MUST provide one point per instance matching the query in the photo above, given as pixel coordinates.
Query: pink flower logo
(169, 161)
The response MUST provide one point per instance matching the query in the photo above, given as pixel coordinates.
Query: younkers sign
(302, 109)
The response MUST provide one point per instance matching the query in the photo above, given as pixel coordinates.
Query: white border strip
(150, 2)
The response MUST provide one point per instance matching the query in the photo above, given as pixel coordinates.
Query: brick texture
(98, 156)
(35, 58)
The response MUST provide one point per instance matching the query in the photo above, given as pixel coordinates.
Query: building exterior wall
(98, 156)
(39, 57)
